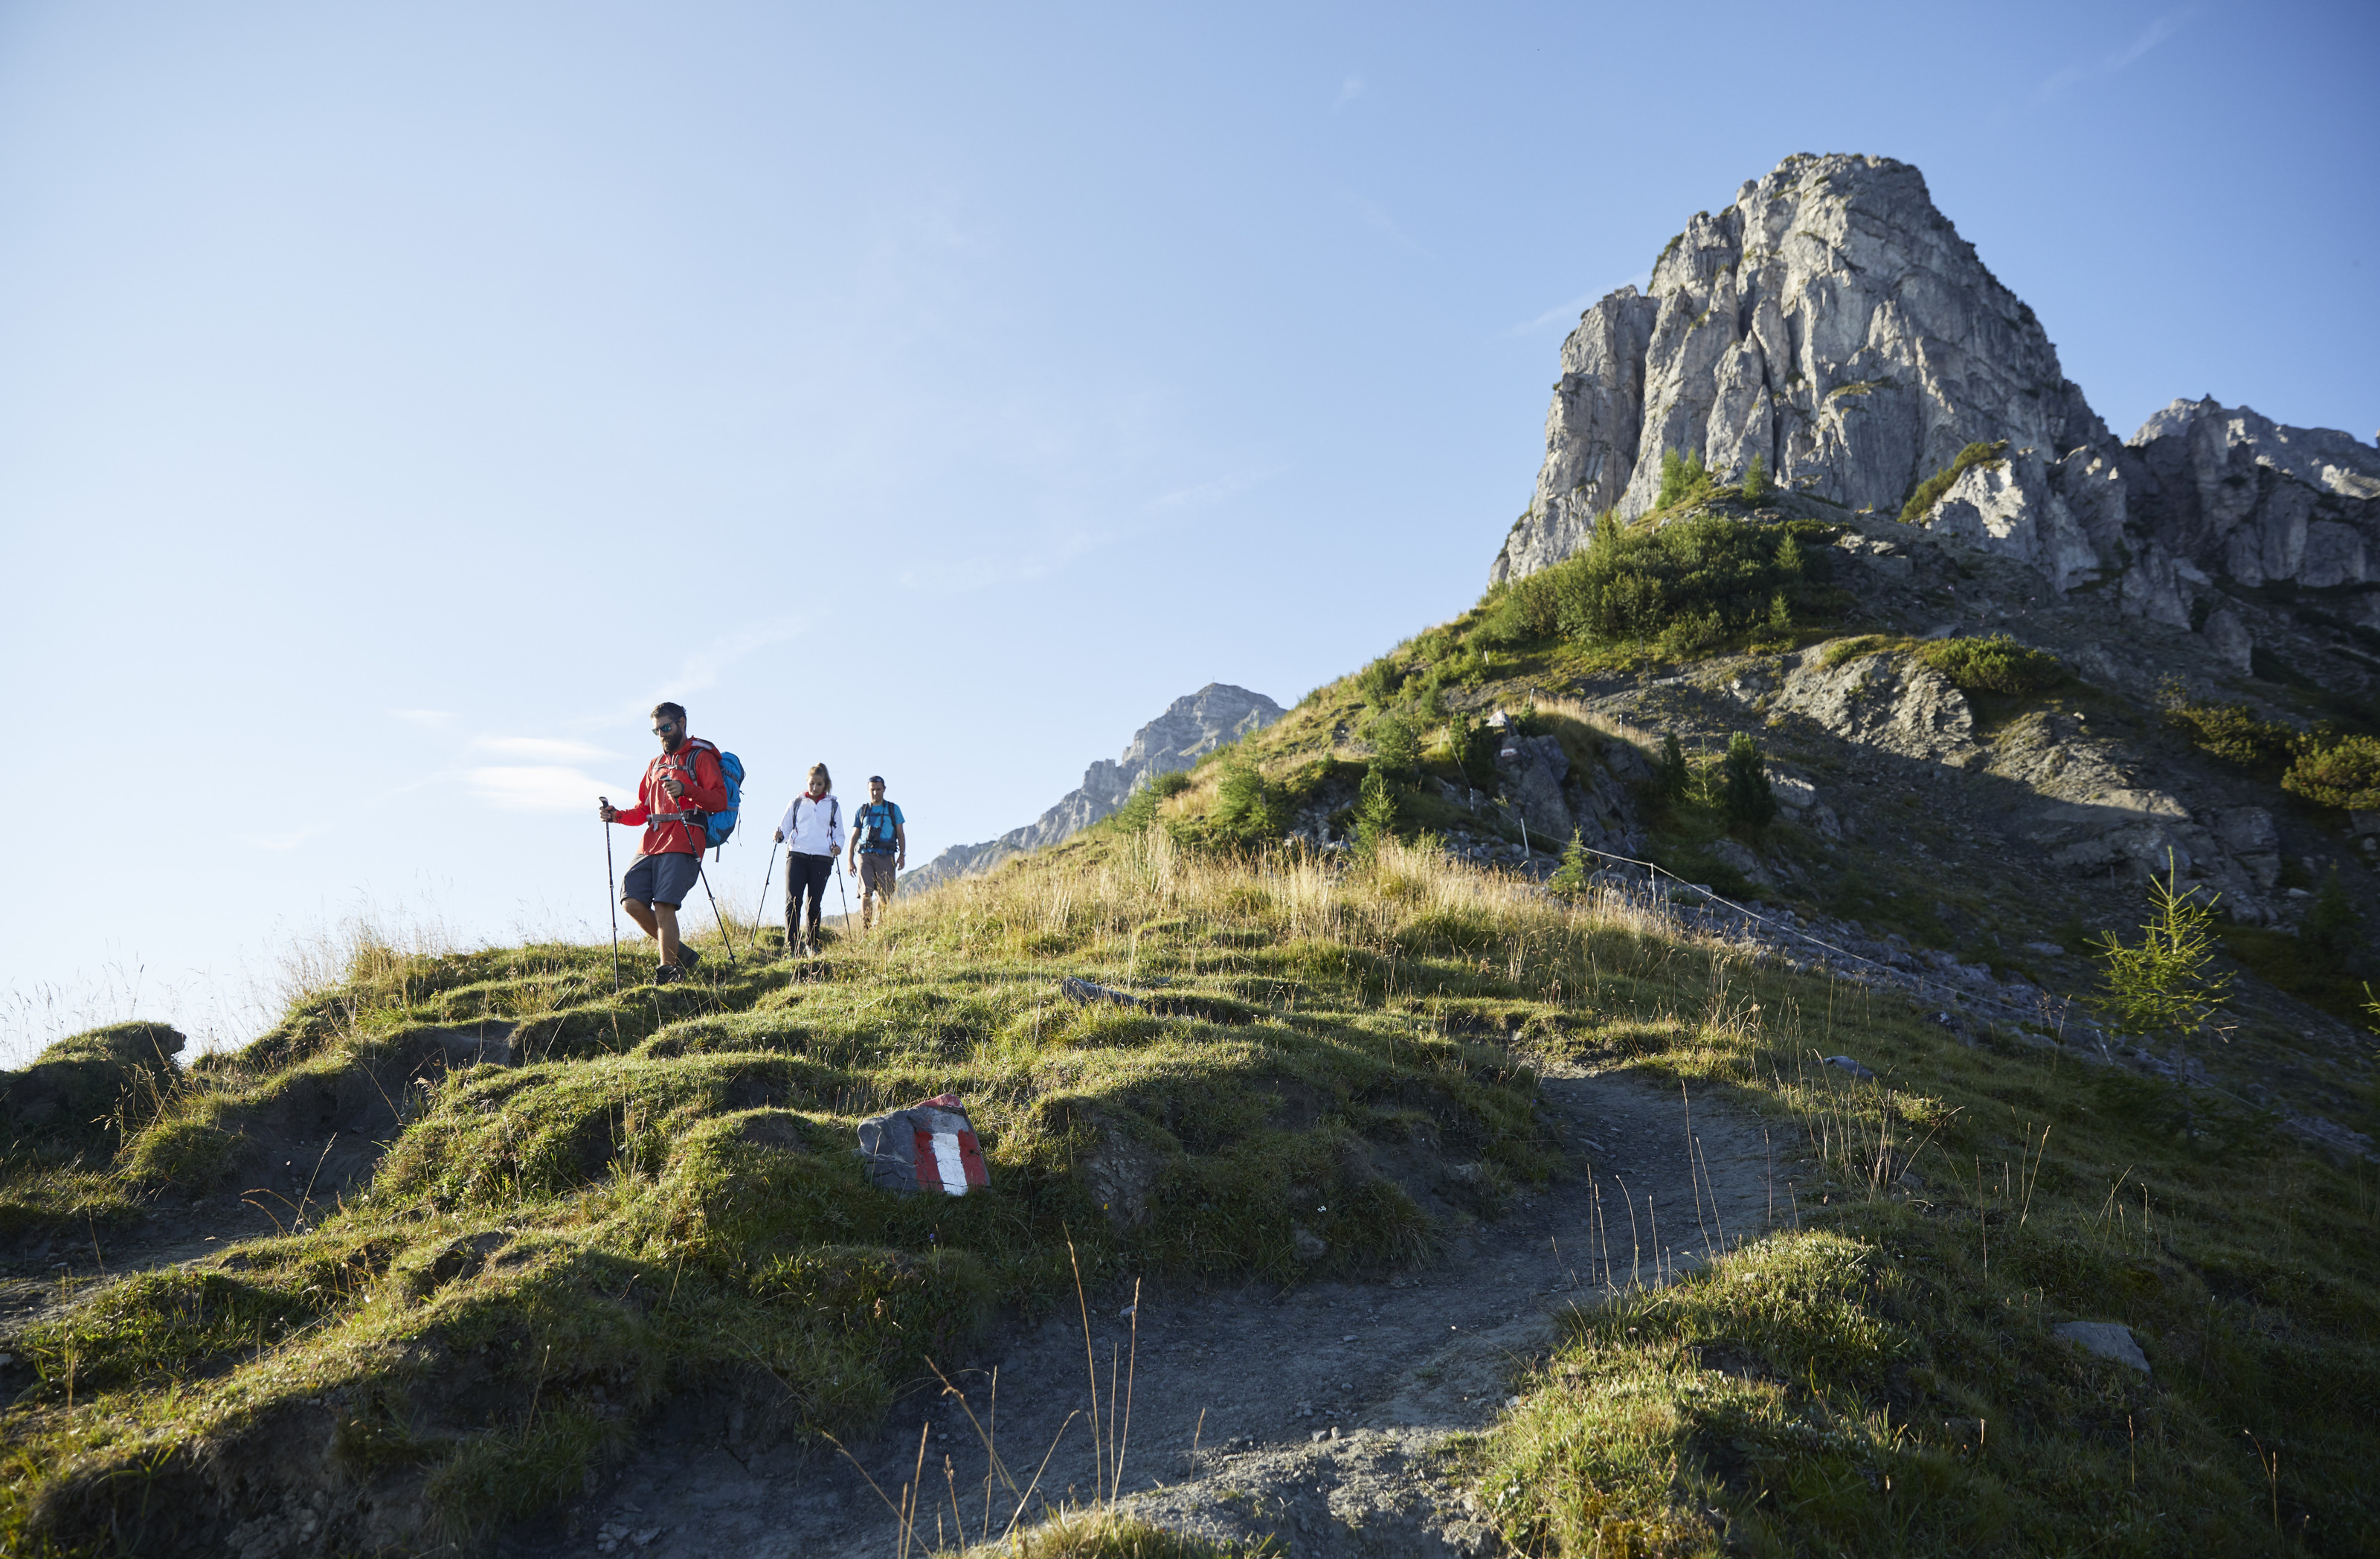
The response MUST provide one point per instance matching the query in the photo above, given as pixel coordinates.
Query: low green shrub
(1843, 651)
(1926, 493)
(1248, 809)
(1997, 664)
(1378, 682)
(1686, 586)
(2231, 731)
(2345, 774)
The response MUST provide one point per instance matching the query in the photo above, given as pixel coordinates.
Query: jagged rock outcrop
(2241, 495)
(1885, 701)
(1191, 728)
(1833, 322)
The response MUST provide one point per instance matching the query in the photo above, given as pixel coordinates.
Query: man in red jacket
(678, 787)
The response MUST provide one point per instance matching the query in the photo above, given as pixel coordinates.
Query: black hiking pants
(805, 874)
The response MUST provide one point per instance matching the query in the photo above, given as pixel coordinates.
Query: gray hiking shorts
(663, 878)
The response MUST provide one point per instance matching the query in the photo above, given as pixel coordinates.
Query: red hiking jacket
(669, 829)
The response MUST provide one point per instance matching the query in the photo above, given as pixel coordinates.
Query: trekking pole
(610, 890)
(764, 892)
(724, 933)
(840, 894)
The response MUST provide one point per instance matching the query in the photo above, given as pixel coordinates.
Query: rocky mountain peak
(1191, 728)
(1832, 322)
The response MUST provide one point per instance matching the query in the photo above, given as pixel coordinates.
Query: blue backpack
(717, 827)
(883, 819)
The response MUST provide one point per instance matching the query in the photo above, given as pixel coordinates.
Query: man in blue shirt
(880, 847)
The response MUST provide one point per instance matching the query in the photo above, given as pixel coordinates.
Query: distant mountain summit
(1191, 728)
(1833, 324)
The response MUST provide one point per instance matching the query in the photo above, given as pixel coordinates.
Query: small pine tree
(1375, 811)
(2345, 774)
(1395, 748)
(1675, 776)
(1569, 880)
(1683, 477)
(2162, 982)
(1757, 485)
(1745, 777)
(1247, 807)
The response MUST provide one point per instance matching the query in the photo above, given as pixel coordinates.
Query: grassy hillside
(659, 1199)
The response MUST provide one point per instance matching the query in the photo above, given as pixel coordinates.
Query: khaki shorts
(876, 875)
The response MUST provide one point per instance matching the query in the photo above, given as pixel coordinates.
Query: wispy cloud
(1349, 90)
(1027, 558)
(703, 668)
(541, 787)
(553, 750)
(2157, 33)
(1376, 216)
(1201, 494)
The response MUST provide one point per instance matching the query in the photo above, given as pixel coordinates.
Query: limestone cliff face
(1833, 322)
(1191, 728)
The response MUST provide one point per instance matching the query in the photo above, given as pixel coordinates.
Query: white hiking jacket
(813, 828)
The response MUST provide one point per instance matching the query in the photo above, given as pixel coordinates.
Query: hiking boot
(668, 974)
(688, 959)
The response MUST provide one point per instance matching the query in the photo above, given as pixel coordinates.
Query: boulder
(1532, 770)
(1885, 700)
(2107, 1339)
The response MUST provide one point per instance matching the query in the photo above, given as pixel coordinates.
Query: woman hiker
(813, 826)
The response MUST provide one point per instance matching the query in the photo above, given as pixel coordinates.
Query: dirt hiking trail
(1316, 1413)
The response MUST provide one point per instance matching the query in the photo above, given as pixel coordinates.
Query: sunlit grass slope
(662, 1198)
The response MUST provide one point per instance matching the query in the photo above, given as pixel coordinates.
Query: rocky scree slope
(1192, 727)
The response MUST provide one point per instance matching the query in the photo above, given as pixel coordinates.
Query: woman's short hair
(818, 772)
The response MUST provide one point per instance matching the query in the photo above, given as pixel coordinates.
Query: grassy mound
(659, 1198)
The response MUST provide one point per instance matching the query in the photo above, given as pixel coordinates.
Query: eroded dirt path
(1315, 1412)
(42, 1276)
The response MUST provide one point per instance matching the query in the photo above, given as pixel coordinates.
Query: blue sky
(394, 401)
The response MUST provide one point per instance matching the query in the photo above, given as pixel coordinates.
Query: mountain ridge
(1191, 726)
